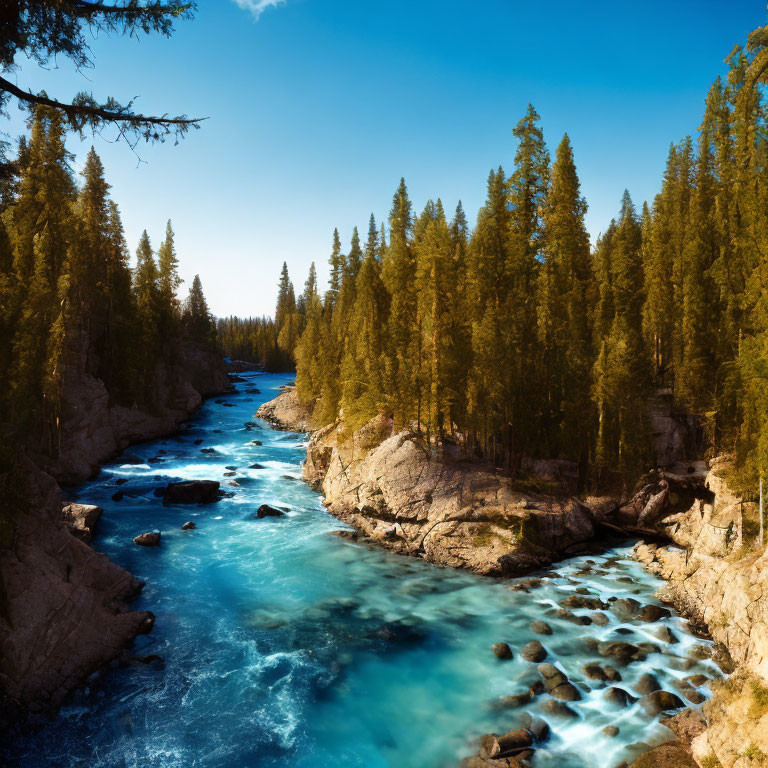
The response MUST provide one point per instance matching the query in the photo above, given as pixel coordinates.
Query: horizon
(265, 183)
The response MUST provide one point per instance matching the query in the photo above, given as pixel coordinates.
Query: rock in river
(534, 651)
(502, 651)
(192, 492)
(266, 511)
(149, 539)
(190, 526)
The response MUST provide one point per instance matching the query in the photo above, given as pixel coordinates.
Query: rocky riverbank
(63, 607)
(716, 576)
(395, 492)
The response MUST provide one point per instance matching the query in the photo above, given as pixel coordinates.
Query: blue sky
(317, 107)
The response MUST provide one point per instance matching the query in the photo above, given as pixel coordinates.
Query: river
(283, 645)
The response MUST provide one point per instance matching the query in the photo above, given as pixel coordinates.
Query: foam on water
(286, 646)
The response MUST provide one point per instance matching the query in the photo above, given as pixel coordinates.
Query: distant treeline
(253, 339)
(517, 338)
(68, 298)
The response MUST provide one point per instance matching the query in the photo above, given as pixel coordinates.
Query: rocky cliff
(63, 609)
(414, 501)
(717, 576)
(94, 429)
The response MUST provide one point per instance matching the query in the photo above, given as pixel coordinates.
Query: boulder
(661, 701)
(190, 526)
(502, 651)
(495, 747)
(192, 492)
(651, 613)
(541, 628)
(266, 511)
(559, 708)
(618, 696)
(646, 684)
(686, 725)
(601, 674)
(81, 519)
(149, 539)
(670, 755)
(623, 652)
(626, 608)
(534, 652)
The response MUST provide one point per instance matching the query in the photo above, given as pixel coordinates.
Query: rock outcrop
(718, 578)
(286, 412)
(63, 613)
(81, 519)
(392, 490)
(94, 429)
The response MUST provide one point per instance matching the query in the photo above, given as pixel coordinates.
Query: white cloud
(257, 7)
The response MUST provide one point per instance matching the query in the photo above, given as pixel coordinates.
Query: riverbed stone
(188, 526)
(149, 539)
(541, 628)
(192, 492)
(558, 708)
(626, 608)
(534, 652)
(661, 701)
(653, 613)
(646, 684)
(618, 697)
(265, 510)
(502, 651)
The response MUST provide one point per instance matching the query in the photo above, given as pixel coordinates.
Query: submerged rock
(541, 628)
(661, 701)
(192, 492)
(267, 511)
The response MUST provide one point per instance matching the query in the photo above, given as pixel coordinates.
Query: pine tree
(336, 262)
(197, 317)
(286, 319)
(168, 278)
(355, 256)
(372, 243)
(362, 370)
(621, 372)
(398, 274)
(564, 319)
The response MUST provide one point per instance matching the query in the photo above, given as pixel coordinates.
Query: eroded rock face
(286, 412)
(66, 611)
(94, 430)
(81, 519)
(394, 491)
(716, 578)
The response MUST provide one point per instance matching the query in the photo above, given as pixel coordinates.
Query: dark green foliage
(69, 305)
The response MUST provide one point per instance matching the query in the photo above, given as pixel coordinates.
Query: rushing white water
(286, 646)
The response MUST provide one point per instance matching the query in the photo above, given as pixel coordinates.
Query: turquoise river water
(283, 645)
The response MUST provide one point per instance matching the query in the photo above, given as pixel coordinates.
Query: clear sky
(317, 107)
